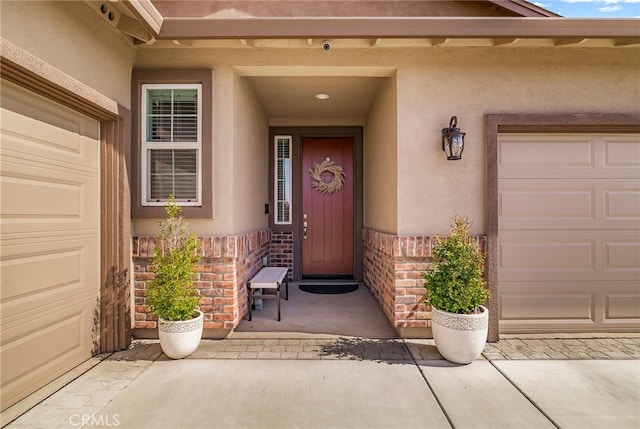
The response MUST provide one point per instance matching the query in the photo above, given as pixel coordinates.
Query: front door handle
(304, 227)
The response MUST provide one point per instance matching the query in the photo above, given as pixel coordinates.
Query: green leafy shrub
(455, 282)
(172, 295)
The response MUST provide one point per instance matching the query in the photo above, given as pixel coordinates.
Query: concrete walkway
(347, 382)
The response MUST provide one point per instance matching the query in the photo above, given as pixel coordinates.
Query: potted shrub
(172, 296)
(456, 291)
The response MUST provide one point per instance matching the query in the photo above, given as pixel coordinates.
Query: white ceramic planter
(460, 338)
(180, 338)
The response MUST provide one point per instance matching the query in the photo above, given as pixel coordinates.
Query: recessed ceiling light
(322, 96)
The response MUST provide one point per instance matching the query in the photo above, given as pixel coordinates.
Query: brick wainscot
(226, 265)
(393, 267)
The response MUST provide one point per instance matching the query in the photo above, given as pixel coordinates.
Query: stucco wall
(223, 165)
(433, 83)
(240, 161)
(470, 82)
(71, 37)
(380, 160)
(250, 160)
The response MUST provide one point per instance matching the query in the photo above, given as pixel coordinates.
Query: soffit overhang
(439, 30)
(393, 27)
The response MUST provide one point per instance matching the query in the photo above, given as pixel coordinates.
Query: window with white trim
(282, 179)
(171, 144)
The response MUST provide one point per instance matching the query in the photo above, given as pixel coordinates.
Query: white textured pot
(179, 339)
(460, 338)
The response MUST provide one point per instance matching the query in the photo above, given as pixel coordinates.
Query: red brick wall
(226, 265)
(393, 267)
(281, 250)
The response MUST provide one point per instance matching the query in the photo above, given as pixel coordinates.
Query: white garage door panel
(569, 204)
(569, 233)
(554, 326)
(61, 136)
(556, 305)
(65, 197)
(572, 306)
(22, 278)
(533, 152)
(621, 151)
(622, 204)
(569, 255)
(623, 257)
(568, 156)
(528, 258)
(69, 266)
(49, 252)
(62, 333)
(40, 194)
(622, 306)
(38, 197)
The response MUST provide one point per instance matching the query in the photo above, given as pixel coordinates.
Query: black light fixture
(453, 140)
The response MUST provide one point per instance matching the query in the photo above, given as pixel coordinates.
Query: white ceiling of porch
(294, 96)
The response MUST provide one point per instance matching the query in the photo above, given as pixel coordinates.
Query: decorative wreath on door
(327, 166)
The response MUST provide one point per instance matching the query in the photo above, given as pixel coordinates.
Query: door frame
(297, 134)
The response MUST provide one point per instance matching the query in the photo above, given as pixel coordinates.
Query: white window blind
(172, 144)
(282, 176)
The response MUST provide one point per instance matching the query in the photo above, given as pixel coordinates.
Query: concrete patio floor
(259, 378)
(354, 314)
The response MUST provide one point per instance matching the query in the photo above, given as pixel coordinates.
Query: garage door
(569, 233)
(49, 250)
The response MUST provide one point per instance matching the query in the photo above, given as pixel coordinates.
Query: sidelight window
(282, 194)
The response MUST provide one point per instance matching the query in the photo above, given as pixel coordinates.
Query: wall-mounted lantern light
(453, 140)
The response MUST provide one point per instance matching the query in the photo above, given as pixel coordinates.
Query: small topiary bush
(455, 282)
(172, 295)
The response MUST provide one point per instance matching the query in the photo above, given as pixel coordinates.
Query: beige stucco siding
(250, 159)
(71, 37)
(222, 153)
(433, 83)
(470, 82)
(380, 160)
(240, 159)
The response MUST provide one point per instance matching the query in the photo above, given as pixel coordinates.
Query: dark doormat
(328, 288)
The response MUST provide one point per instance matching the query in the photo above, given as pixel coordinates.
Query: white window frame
(288, 180)
(146, 146)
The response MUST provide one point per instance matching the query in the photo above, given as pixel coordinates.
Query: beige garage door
(49, 251)
(569, 233)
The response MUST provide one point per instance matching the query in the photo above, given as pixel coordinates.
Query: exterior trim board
(395, 27)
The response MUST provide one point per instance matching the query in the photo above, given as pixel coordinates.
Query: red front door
(327, 206)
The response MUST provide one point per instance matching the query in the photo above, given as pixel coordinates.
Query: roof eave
(395, 27)
(524, 8)
(146, 14)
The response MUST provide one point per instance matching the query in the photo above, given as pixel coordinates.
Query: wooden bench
(267, 278)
